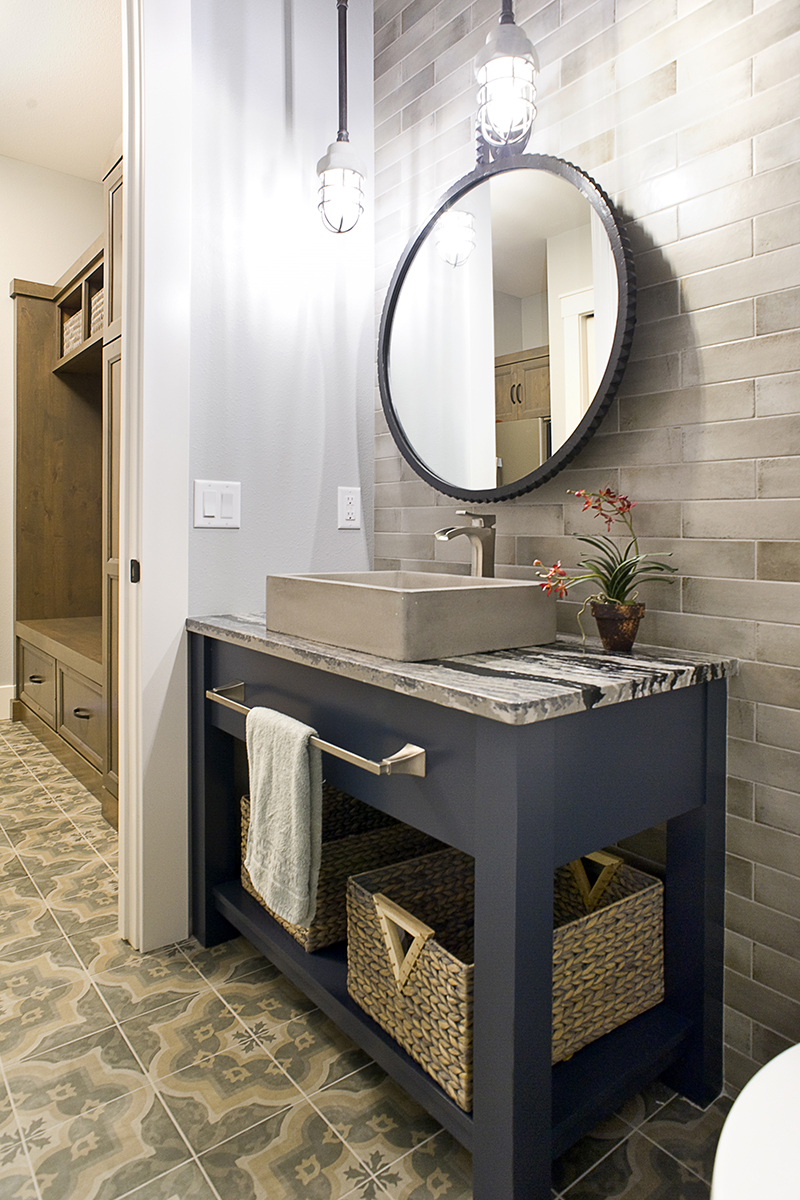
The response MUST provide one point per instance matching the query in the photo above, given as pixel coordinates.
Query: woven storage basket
(607, 965)
(355, 837)
(72, 331)
(96, 313)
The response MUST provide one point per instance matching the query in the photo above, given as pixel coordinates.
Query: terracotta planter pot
(617, 624)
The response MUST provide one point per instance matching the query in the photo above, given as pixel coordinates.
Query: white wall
(47, 220)
(249, 356)
(282, 322)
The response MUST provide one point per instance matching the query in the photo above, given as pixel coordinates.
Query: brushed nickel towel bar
(408, 761)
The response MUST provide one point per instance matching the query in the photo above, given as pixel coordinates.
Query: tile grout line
(20, 1131)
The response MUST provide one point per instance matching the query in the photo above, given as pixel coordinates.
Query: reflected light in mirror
(454, 234)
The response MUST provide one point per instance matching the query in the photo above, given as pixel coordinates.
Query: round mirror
(506, 328)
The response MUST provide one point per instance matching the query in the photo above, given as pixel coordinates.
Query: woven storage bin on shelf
(96, 314)
(72, 331)
(355, 837)
(431, 1017)
(607, 965)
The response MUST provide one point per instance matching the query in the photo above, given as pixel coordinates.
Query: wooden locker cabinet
(68, 404)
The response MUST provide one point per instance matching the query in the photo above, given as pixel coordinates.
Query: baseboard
(7, 699)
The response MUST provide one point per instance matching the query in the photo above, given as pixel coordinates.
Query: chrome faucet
(481, 535)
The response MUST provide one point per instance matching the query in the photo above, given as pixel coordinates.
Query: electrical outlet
(349, 508)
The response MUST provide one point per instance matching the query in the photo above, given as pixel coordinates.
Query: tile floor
(193, 1073)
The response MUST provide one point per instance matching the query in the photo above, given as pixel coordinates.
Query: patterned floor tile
(184, 1033)
(314, 1052)
(220, 1097)
(226, 962)
(106, 1153)
(439, 1167)
(265, 999)
(292, 1155)
(101, 949)
(33, 1024)
(586, 1153)
(638, 1170)
(183, 1183)
(85, 894)
(148, 983)
(16, 1177)
(25, 920)
(41, 969)
(650, 1100)
(55, 1085)
(376, 1118)
(689, 1133)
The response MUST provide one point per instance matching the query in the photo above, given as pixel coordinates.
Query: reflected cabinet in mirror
(506, 328)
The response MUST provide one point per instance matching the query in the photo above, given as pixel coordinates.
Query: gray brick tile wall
(685, 113)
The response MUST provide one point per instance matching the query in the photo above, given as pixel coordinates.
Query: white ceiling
(61, 83)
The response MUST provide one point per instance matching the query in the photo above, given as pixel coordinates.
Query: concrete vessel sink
(411, 616)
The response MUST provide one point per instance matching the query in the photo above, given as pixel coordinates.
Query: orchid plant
(618, 568)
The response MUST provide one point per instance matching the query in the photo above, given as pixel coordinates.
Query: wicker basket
(410, 959)
(355, 837)
(96, 313)
(72, 330)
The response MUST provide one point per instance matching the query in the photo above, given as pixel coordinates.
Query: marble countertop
(516, 687)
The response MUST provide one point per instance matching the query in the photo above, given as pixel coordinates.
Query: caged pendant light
(341, 174)
(506, 70)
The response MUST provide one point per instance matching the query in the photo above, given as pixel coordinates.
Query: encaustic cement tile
(32, 1024)
(638, 1170)
(314, 1052)
(184, 1033)
(182, 1183)
(265, 999)
(293, 1154)
(147, 984)
(107, 1152)
(438, 1168)
(375, 1117)
(225, 963)
(219, 1097)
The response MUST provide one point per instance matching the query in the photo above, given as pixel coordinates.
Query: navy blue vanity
(532, 758)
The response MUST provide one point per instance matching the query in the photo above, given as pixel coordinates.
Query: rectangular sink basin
(411, 616)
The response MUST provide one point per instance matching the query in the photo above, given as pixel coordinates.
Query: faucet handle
(482, 520)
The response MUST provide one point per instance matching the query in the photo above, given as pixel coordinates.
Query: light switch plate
(217, 504)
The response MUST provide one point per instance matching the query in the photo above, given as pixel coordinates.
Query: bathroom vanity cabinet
(533, 758)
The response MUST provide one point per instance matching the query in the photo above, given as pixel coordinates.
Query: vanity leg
(515, 780)
(214, 845)
(694, 897)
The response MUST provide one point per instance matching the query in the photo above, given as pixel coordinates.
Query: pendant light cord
(507, 13)
(341, 9)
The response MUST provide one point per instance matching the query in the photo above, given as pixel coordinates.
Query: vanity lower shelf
(586, 1088)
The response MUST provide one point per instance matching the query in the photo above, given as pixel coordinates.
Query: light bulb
(506, 73)
(341, 190)
(454, 235)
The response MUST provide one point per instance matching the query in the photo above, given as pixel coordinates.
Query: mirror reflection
(502, 329)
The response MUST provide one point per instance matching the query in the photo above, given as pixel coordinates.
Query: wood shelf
(85, 359)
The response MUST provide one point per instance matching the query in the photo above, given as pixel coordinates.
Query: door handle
(36, 679)
(82, 714)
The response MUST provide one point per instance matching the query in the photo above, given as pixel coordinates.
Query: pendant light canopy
(506, 70)
(341, 173)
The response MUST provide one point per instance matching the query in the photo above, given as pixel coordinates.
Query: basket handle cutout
(592, 893)
(405, 937)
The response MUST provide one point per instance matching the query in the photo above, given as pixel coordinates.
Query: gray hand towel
(284, 842)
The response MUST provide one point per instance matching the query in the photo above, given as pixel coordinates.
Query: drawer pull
(36, 679)
(410, 760)
(82, 714)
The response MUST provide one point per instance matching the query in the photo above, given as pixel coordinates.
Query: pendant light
(506, 73)
(454, 236)
(341, 174)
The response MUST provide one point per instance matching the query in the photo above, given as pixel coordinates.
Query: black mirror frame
(620, 349)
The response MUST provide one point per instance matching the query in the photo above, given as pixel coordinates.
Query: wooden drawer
(36, 673)
(81, 715)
